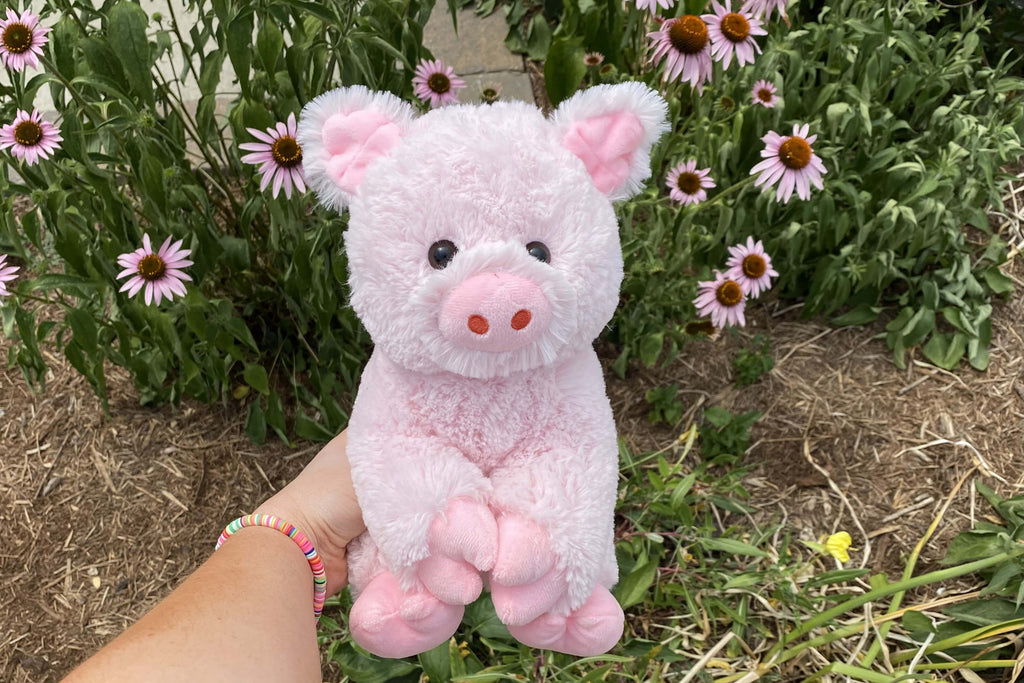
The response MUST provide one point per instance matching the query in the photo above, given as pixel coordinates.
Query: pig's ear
(342, 132)
(612, 128)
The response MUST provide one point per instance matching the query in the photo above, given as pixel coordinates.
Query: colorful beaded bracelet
(315, 563)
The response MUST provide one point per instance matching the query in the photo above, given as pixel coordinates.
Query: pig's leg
(424, 503)
(554, 502)
(556, 557)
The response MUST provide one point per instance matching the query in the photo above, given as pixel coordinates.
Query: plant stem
(777, 656)
(727, 191)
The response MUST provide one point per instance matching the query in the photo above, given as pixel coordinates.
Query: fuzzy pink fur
(483, 454)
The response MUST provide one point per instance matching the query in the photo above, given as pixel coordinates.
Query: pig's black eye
(539, 251)
(441, 253)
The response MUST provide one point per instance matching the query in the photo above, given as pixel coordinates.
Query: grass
(710, 595)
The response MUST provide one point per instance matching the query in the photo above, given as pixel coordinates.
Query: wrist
(285, 507)
(283, 529)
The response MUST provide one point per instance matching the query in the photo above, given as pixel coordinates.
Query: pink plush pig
(484, 259)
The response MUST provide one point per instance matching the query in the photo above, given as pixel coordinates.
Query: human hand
(322, 503)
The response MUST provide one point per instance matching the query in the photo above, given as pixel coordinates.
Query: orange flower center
(764, 94)
(754, 266)
(735, 27)
(439, 83)
(286, 152)
(688, 34)
(28, 133)
(795, 153)
(688, 183)
(729, 293)
(151, 267)
(16, 37)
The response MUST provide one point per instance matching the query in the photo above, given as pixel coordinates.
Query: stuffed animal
(484, 260)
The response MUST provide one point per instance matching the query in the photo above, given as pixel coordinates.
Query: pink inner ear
(606, 145)
(354, 141)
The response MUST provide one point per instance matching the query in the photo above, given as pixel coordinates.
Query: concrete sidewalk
(478, 53)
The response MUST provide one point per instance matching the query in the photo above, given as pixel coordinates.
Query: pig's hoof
(393, 623)
(593, 629)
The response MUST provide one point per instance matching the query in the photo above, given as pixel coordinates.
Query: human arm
(247, 612)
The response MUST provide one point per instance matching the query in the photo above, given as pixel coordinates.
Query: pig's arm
(566, 486)
(406, 481)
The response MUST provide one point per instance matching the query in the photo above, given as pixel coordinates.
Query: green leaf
(861, 315)
(239, 43)
(83, 326)
(236, 252)
(732, 546)
(103, 62)
(256, 377)
(930, 294)
(538, 38)
(970, 546)
(945, 350)
(632, 589)
(564, 69)
(997, 280)
(436, 662)
(719, 417)
(51, 281)
(275, 416)
(919, 326)
(152, 176)
(209, 74)
(678, 496)
(256, 423)
(362, 669)
(306, 428)
(126, 33)
(918, 624)
(742, 581)
(650, 348)
(269, 45)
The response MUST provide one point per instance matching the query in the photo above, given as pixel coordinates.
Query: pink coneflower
(751, 267)
(279, 156)
(764, 94)
(158, 273)
(685, 44)
(723, 299)
(652, 5)
(733, 32)
(7, 273)
(764, 8)
(790, 161)
(686, 184)
(30, 137)
(21, 39)
(436, 83)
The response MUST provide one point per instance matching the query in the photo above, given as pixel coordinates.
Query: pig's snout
(495, 312)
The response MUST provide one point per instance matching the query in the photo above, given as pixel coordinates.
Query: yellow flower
(838, 544)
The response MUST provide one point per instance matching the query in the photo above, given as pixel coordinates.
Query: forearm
(246, 614)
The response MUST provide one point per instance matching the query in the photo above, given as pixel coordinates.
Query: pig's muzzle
(495, 312)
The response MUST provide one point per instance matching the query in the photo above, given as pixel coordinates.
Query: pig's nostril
(478, 324)
(521, 319)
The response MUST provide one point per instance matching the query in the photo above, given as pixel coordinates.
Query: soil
(103, 515)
